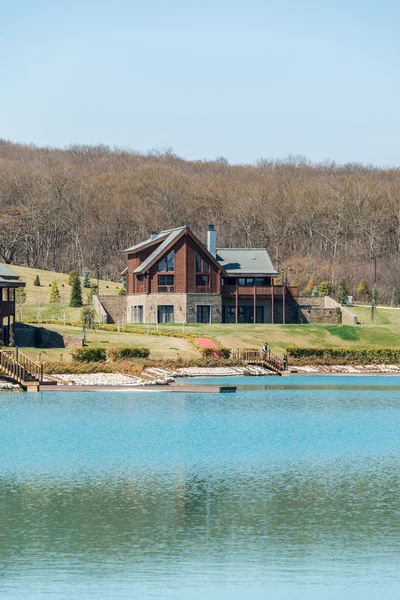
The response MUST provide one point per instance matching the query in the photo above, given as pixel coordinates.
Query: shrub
(36, 281)
(54, 293)
(122, 291)
(88, 315)
(325, 288)
(346, 355)
(72, 275)
(343, 292)
(95, 354)
(127, 352)
(362, 289)
(216, 353)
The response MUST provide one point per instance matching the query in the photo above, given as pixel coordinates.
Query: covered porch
(9, 283)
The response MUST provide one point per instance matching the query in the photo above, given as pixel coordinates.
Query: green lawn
(40, 295)
(382, 316)
(160, 347)
(279, 337)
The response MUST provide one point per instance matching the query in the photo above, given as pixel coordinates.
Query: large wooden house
(9, 282)
(173, 277)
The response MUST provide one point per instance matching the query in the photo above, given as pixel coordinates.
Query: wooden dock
(175, 388)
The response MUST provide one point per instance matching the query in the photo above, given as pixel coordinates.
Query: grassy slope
(160, 347)
(383, 316)
(279, 337)
(34, 294)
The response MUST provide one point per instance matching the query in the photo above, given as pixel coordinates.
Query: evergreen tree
(325, 288)
(71, 277)
(122, 291)
(343, 292)
(54, 293)
(314, 291)
(36, 281)
(394, 298)
(76, 292)
(362, 289)
(86, 278)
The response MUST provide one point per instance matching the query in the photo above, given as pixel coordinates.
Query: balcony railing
(230, 290)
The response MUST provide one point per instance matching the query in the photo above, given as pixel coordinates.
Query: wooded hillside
(63, 209)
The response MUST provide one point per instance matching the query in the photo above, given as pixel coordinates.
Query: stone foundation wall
(324, 303)
(184, 306)
(318, 315)
(214, 300)
(115, 307)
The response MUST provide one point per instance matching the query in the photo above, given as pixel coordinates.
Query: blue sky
(243, 80)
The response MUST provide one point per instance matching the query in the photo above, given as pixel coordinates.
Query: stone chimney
(212, 240)
(153, 235)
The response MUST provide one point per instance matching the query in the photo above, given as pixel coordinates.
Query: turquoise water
(286, 492)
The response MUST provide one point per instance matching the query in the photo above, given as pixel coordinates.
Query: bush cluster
(217, 353)
(127, 352)
(346, 355)
(95, 354)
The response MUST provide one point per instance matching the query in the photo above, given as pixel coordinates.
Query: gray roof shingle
(246, 260)
(171, 236)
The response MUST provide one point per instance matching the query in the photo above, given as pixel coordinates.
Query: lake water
(289, 492)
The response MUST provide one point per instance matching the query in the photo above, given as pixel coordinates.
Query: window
(165, 314)
(166, 283)
(165, 280)
(136, 314)
(202, 280)
(261, 281)
(203, 313)
(246, 281)
(202, 265)
(167, 263)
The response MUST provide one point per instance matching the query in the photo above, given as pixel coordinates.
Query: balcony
(230, 290)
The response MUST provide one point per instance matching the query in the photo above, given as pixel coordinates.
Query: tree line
(80, 207)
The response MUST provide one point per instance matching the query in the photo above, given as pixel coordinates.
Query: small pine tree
(72, 275)
(312, 283)
(362, 289)
(54, 293)
(76, 293)
(314, 291)
(343, 292)
(394, 298)
(122, 291)
(94, 290)
(325, 288)
(36, 281)
(86, 278)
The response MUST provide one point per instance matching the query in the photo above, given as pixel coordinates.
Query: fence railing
(20, 367)
(271, 360)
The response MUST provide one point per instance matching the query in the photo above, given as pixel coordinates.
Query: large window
(202, 265)
(165, 314)
(167, 263)
(166, 283)
(202, 280)
(203, 313)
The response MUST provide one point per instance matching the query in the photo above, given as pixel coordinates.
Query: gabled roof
(9, 278)
(169, 237)
(6, 272)
(152, 240)
(246, 260)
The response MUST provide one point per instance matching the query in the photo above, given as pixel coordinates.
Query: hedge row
(98, 354)
(127, 352)
(348, 355)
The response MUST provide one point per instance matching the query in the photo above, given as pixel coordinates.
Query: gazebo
(9, 282)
